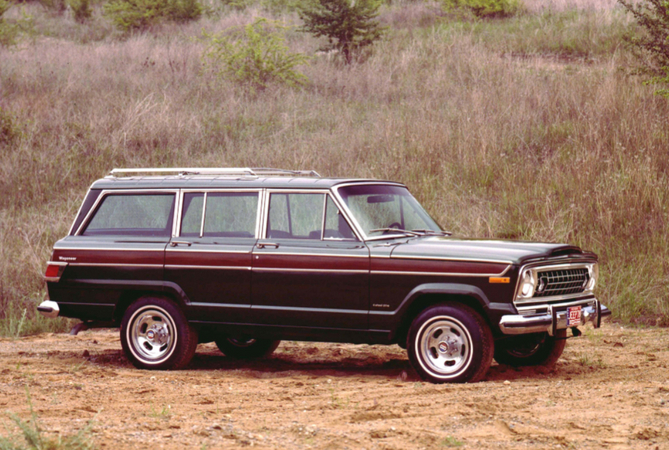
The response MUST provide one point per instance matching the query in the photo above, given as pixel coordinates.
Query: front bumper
(549, 318)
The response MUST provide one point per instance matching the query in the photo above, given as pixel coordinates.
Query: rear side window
(133, 215)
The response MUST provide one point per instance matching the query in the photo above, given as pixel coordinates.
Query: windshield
(386, 210)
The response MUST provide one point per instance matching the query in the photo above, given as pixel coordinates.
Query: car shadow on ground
(287, 365)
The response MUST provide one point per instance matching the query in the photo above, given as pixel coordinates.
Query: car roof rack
(211, 171)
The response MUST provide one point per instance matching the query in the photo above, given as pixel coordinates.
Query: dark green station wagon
(248, 257)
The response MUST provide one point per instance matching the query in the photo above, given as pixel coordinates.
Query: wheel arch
(169, 291)
(427, 295)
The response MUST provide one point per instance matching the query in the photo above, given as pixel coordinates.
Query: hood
(514, 252)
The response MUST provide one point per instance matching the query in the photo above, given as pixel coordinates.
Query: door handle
(175, 243)
(267, 244)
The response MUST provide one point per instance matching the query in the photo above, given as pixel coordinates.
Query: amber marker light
(500, 280)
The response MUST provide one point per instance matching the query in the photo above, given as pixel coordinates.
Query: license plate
(574, 314)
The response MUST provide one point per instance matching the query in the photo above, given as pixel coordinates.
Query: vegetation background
(521, 127)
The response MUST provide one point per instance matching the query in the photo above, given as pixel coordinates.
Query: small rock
(507, 382)
(86, 354)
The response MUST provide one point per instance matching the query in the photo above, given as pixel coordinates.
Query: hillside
(524, 128)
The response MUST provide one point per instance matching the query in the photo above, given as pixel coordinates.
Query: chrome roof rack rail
(211, 171)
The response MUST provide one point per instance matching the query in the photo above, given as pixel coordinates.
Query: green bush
(137, 15)
(651, 47)
(81, 9)
(254, 56)
(483, 8)
(8, 34)
(349, 25)
(57, 7)
(9, 131)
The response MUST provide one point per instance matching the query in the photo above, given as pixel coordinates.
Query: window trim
(328, 193)
(183, 192)
(358, 229)
(107, 192)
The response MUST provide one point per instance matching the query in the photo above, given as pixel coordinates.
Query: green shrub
(254, 56)
(8, 34)
(349, 25)
(281, 6)
(238, 5)
(9, 131)
(137, 15)
(57, 7)
(483, 8)
(651, 47)
(81, 9)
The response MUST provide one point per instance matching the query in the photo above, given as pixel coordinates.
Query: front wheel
(450, 343)
(247, 348)
(537, 349)
(156, 335)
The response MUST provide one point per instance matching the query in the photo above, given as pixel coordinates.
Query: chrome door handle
(175, 243)
(267, 244)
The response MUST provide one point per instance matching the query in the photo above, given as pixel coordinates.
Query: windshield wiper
(398, 230)
(433, 232)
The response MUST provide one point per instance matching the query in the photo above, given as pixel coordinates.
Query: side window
(133, 215)
(231, 214)
(295, 216)
(191, 219)
(336, 226)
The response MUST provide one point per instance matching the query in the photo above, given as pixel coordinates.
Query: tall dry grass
(523, 129)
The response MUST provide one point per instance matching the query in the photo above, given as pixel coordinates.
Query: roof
(215, 182)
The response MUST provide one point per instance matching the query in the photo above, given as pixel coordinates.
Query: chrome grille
(561, 282)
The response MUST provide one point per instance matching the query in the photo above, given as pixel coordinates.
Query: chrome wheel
(152, 334)
(444, 346)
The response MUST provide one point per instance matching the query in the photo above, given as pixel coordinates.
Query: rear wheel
(156, 335)
(535, 349)
(246, 348)
(450, 343)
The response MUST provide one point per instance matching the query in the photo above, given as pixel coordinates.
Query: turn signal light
(500, 280)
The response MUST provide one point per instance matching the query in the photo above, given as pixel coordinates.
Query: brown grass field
(525, 128)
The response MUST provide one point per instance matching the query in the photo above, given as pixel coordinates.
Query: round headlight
(527, 284)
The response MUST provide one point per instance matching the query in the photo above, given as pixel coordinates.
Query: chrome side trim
(148, 266)
(276, 269)
(318, 310)
(195, 250)
(329, 255)
(114, 249)
(221, 305)
(440, 258)
(184, 266)
(441, 274)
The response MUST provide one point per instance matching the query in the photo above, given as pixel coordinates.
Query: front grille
(561, 282)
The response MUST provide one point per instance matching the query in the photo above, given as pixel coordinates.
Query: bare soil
(609, 390)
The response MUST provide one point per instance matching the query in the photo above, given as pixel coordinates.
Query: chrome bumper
(49, 309)
(554, 317)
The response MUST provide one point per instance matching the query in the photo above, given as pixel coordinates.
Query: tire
(246, 348)
(537, 349)
(450, 343)
(155, 335)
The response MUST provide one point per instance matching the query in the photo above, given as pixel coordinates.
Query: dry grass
(497, 132)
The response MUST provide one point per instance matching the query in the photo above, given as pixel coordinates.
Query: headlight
(527, 285)
(594, 275)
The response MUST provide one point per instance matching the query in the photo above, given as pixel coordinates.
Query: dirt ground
(609, 390)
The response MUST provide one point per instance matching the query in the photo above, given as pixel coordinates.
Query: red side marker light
(52, 271)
